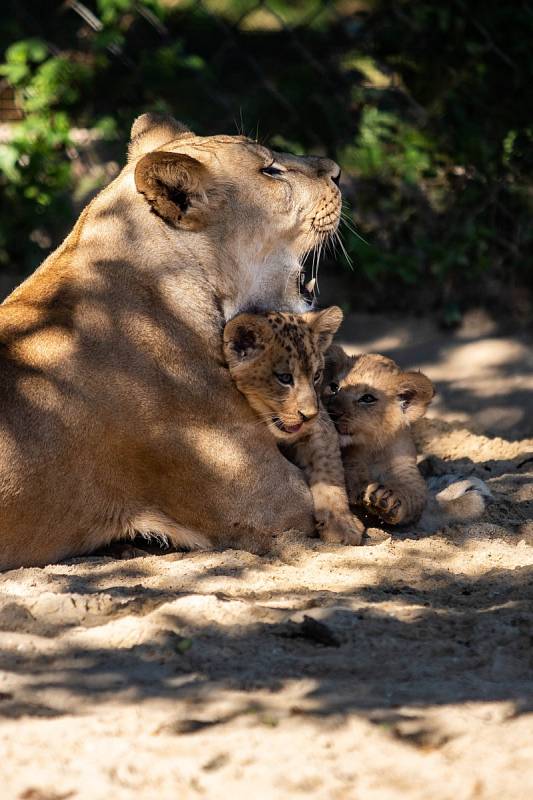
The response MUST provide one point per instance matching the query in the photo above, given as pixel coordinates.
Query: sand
(400, 669)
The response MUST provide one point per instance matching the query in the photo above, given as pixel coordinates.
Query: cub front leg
(388, 486)
(396, 505)
(319, 455)
(356, 473)
(386, 503)
(339, 528)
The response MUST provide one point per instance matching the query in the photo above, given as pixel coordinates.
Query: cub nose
(308, 415)
(335, 415)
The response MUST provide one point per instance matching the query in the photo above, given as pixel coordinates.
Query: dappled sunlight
(413, 646)
(482, 378)
(488, 355)
(402, 668)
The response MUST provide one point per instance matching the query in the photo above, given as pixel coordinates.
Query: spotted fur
(263, 351)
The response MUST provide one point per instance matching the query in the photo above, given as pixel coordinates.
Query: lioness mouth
(286, 428)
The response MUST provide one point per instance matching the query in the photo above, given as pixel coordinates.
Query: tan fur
(265, 351)
(453, 498)
(378, 451)
(117, 412)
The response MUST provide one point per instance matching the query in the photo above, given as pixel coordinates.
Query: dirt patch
(402, 668)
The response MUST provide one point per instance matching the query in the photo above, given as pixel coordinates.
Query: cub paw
(341, 529)
(384, 503)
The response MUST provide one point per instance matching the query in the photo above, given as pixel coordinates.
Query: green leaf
(184, 645)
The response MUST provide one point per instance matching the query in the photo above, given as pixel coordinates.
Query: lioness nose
(329, 169)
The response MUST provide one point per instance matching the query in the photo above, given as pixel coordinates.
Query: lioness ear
(175, 186)
(414, 393)
(324, 324)
(245, 338)
(150, 131)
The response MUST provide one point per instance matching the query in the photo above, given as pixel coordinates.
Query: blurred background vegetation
(426, 105)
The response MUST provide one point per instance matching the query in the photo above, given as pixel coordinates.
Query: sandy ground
(483, 370)
(400, 669)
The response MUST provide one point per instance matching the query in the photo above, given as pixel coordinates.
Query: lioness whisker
(351, 228)
(344, 251)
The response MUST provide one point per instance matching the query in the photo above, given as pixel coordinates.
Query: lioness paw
(384, 503)
(341, 529)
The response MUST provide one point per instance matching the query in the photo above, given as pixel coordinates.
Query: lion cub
(276, 360)
(373, 403)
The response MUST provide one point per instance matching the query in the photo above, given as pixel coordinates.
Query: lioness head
(370, 399)
(276, 361)
(257, 210)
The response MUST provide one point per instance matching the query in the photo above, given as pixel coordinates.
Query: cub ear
(324, 324)
(174, 185)
(150, 131)
(245, 338)
(336, 362)
(414, 393)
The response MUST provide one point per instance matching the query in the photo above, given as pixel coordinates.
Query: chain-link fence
(265, 67)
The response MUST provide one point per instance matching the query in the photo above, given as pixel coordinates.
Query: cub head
(370, 399)
(276, 360)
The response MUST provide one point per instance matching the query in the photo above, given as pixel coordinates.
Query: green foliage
(32, 163)
(112, 12)
(35, 169)
(388, 148)
(425, 105)
(442, 158)
(19, 58)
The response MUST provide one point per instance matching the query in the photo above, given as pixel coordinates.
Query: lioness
(276, 360)
(117, 410)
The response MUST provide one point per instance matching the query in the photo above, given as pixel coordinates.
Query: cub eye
(284, 377)
(317, 376)
(334, 387)
(272, 170)
(367, 399)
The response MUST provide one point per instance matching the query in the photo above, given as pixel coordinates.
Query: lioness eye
(271, 170)
(284, 377)
(317, 376)
(367, 399)
(334, 388)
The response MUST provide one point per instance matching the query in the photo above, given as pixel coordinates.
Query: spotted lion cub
(373, 403)
(276, 360)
